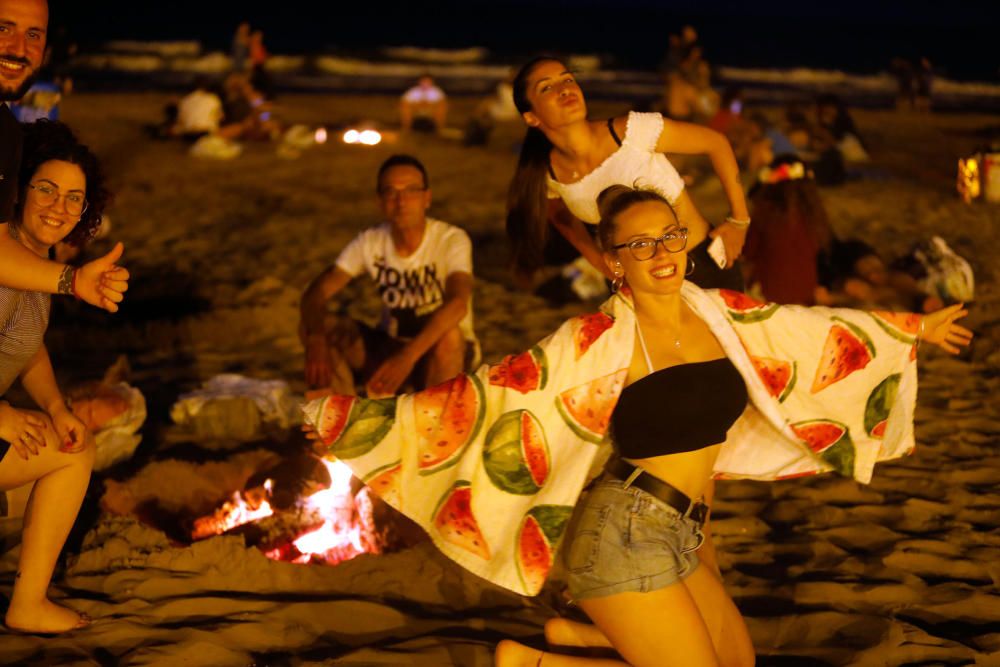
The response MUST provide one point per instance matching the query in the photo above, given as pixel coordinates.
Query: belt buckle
(697, 511)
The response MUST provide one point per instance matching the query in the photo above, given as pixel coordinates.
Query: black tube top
(678, 409)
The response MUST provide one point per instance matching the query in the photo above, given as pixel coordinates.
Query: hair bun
(609, 195)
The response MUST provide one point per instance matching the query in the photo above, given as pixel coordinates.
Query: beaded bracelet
(743, 224)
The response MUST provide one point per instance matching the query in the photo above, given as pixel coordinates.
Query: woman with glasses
(567, 157)
(631, 551)
(685, 384)
(61, 199)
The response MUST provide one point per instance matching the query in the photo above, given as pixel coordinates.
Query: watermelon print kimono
(490, 464)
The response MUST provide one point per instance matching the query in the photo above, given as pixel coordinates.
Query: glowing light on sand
(968, 179)
(365, 137)
(370, 138)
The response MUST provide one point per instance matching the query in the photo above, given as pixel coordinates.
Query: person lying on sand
(61, 197)
(423, 269)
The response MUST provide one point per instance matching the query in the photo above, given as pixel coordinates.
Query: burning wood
(235, 512)
(312, 512)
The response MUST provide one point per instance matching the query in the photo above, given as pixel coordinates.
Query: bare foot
(511, 654)
(47, 617)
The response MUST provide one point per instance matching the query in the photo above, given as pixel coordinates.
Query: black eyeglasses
(644, 247)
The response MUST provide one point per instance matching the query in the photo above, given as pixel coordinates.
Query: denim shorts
(626, 540)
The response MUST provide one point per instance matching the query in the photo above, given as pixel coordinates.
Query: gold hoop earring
(690, 267)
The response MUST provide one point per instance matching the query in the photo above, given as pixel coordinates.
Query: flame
(235, 512)
(320, 135)
(339, 538)
(346, 521)
(352, 137)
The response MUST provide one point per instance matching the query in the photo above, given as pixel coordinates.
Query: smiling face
(663, 273)
(554, 95)
(22, 44)
(44, 222)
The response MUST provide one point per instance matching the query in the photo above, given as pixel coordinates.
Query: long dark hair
(47, 140)
(527, 209)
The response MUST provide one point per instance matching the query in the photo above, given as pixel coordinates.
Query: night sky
(848, 34)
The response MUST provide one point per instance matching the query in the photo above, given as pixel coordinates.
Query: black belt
(656, 487)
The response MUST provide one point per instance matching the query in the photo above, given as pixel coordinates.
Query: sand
(826, 571)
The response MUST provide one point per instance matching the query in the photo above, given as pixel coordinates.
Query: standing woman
(566, 156)
(61, 199)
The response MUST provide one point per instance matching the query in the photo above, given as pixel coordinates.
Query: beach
(827, 571)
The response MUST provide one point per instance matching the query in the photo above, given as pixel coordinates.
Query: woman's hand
(940, 329)
(101, 282)
(73, 434)
(23, 429)
(733, 237)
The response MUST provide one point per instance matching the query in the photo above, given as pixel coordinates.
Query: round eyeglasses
(47, 195)
(644, 247)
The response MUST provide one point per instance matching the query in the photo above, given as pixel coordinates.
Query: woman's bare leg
(699, 625)
(726, 626)
(62, 481)
(510, 653)
(661, 628)
(564, 632)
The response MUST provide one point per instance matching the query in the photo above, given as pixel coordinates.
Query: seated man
(423, 107)
(423, 269)
(199, 112)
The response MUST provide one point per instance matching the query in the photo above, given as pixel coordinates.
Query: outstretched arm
(688, 138)
(939, 328)
(100, 283)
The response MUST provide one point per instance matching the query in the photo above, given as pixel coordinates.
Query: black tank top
(678, 409)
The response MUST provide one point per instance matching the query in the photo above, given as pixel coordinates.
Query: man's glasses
(644, 248)
(403, 193)
(47, 195)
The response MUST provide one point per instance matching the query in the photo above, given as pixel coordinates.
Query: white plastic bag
(949, 276)
(236, 407)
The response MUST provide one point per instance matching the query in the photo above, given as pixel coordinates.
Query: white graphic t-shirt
(412, 288)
